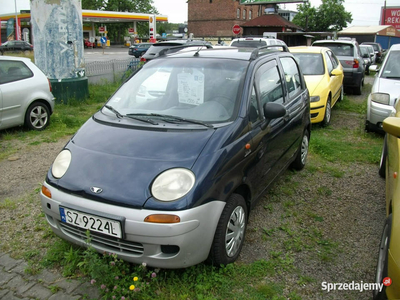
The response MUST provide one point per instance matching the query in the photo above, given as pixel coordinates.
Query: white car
(255, 42)
(25, 94)
(385, 90)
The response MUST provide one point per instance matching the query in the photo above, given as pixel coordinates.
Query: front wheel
(328, 113)
(301, 157)
(37, 116)
(230, 232)
(382, 266)
(382, 164)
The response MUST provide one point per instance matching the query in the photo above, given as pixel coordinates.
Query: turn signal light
(46, 191)
(355, 64)
(162, 219)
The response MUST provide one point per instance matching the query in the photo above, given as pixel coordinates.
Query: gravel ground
(326, 227)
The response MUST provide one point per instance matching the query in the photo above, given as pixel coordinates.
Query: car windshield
(339, 49)
(310, 63)
(391, 68)
(190, 88)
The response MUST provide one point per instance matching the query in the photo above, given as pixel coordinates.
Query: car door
(268, 136)
(335, 82)
(14, 91)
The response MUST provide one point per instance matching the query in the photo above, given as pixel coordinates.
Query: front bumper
(377, 112)
(175, 245)
(317, 111)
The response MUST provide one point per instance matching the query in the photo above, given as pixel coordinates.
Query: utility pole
(16, 22)
(384, 13)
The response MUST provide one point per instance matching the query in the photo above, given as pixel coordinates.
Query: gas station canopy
(99, 16)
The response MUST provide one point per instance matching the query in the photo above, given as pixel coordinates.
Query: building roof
(270, 20)
(373, 29)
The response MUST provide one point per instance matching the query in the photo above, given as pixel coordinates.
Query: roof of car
(24, 59)
(307, 49)
(395, 47)
(223, 53)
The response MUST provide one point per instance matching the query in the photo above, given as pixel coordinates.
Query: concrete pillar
(58, 38)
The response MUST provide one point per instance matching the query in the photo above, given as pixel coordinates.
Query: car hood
(313, 81)
(124, 161)
(389, 86)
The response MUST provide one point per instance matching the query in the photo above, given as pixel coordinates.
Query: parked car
(15, 46)
(324, 77)
(87, 44)
(349, 54)
(156, 48)
(385, 90)
(371, 52)
(366, 55)
(139, 49)
(388, 266)
(25, 94)
(379, 52)
(180, 173)
(254, 42)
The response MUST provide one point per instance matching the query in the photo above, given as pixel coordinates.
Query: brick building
(215, 18)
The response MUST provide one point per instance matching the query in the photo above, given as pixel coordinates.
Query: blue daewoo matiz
(168, 170)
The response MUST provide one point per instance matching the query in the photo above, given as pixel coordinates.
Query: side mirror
(273, 110)
(374, 68)
(336, 72)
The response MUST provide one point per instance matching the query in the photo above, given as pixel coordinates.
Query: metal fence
(98, 72)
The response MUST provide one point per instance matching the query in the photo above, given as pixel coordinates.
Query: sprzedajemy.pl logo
(356, 286)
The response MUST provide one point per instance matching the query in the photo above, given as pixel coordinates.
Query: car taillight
(356, 64)
(142, 59)
(51, 89)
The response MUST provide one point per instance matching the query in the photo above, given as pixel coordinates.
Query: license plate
(91, 222)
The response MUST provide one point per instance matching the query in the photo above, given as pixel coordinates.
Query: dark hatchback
(15, 46)
(139, 49)
(168, 177)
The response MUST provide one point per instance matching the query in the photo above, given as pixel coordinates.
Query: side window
(270, 86)
(334, 59)
(254, 112)
(13, 71)
(292, 76)
(329, 64)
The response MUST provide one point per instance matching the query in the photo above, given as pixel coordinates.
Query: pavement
(15, 284)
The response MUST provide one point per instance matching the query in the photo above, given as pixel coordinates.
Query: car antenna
(198, 50)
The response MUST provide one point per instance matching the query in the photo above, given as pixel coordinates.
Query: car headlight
(172, 184)
(382, 98)
(314, 98)
(61, 164)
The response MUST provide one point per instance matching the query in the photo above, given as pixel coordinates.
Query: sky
(367, 13)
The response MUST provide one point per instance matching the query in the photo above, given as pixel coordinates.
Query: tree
(329, 16)
(116, 31)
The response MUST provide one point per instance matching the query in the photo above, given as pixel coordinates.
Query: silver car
(385, 90)
(25, 94)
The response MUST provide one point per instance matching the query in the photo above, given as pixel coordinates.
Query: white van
(255, 42)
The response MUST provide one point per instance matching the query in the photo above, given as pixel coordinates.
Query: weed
(8, 204)
(54, 288)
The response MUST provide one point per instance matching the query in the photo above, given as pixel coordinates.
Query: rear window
(13, 71)
(339, 49)
(310, 63)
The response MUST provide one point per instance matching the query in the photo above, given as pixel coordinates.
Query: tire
(328, 113)
(382, 265)
(37, 116)
(382, 164)
(230, 233)
(358, 89)
(301, 157)
(341, 97)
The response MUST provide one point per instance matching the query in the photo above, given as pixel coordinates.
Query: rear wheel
(358, 89)
(301, 157)
(230, 232)
(37, 116)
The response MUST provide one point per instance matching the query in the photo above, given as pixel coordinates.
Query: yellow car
(388, 267)
(324, 78)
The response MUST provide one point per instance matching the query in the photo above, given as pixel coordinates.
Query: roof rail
(173, 49)
(256, 52)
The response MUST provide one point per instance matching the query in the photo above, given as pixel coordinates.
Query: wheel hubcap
(38, 117)
(235, 231)
(304, 149)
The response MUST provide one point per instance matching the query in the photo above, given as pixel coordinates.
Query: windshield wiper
(116, 112)
(119, 115)
(175, 119)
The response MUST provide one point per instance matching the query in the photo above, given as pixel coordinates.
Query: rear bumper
(352, 79)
